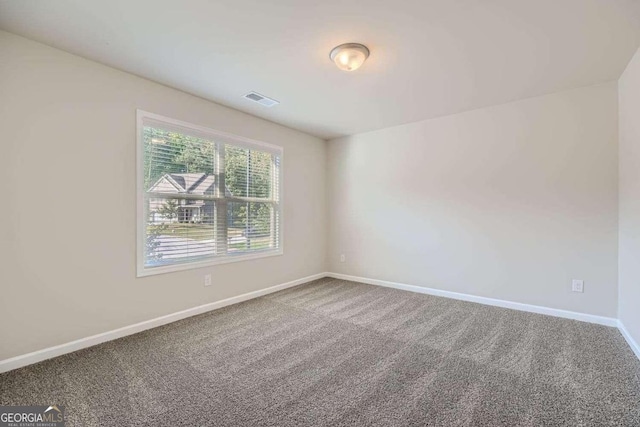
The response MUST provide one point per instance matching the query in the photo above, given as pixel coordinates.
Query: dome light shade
(349, 56)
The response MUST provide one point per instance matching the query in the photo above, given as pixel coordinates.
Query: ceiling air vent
(261, 99)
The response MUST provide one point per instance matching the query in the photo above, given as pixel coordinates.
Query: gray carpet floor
(337, 353)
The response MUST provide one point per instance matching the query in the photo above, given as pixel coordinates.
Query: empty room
(320, 213)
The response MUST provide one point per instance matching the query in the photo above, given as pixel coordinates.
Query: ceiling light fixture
(349, 56)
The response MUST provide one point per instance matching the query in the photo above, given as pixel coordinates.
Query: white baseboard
(607, 321)
(627, 336)
(58, 350)
(48, 353)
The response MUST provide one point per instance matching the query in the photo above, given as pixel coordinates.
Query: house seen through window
(207, 197)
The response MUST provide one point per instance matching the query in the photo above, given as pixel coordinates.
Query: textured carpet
(337, 353)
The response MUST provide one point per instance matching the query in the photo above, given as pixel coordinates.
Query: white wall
(508, 202)
(68, 213)
(629, 249)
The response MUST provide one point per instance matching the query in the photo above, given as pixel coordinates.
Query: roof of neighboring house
(204, 186)
(191, 183)
(186, 180)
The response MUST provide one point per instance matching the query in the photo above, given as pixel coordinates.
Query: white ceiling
(428, 57)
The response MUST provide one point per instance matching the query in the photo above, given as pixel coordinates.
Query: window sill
(152, 271)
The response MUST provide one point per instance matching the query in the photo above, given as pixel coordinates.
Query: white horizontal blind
(206, 197)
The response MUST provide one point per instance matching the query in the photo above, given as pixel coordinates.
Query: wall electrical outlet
(343, 258)
(577, 285)
(207, 280)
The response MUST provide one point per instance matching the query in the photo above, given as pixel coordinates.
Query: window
(204, 197)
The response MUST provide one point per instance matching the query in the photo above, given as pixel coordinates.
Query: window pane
(251, 227)
(248, 173)
(179, 230)
(178, 163)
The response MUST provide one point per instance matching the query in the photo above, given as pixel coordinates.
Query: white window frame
(141, 216)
